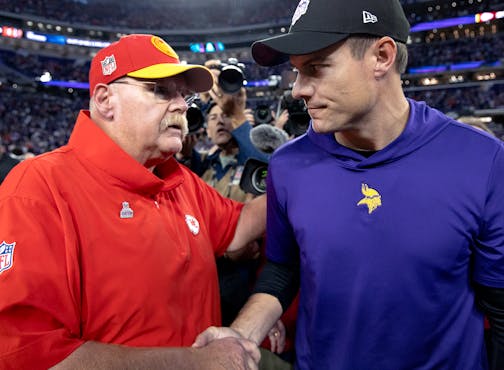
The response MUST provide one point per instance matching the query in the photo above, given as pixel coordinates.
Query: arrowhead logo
(192, 224)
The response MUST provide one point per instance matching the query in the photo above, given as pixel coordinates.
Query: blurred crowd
(41, 119)
(33, 66)
(38, 121)
(419, 11)
(457, 101)
(487, 49)
(161, 15)
(222, 13)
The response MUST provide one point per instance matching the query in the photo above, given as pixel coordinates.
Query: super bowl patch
(126, 211)
(6, 255)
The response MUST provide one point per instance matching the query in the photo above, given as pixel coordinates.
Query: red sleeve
(39, 299)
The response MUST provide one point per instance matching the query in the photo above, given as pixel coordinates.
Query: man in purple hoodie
(387, 214)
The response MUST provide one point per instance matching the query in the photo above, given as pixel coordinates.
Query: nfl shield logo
(108, 65)
(6, 253)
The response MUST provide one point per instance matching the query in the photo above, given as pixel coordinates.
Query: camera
(195, 118)
(254, 175)
(231, 76)
(262, 115)
(299, 119)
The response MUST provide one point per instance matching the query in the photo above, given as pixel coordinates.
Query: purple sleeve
(489, 251)
(281, 245)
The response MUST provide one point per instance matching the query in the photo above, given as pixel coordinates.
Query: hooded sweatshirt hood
(423, 125)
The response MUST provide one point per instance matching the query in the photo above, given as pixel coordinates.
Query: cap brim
(276, 50)
(198, 78)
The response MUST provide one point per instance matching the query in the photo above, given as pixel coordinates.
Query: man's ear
(385, 51)
(102, 102)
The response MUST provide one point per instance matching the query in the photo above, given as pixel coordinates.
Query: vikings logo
(300, 10)
(372, 199)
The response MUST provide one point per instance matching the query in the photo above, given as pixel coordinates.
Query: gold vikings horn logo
(371, 198)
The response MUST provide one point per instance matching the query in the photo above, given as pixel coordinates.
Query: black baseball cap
(316, 24)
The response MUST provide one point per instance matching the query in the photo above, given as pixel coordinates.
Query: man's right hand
(226, 353)
(213, 333)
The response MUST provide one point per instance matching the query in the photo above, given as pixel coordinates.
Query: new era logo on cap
(368, 17)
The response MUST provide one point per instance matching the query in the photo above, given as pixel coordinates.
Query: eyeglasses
(164, 93)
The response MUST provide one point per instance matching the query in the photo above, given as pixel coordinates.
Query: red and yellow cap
(144, 56)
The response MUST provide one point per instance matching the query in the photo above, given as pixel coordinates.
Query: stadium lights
(486, 76)
(455, 79)
(429, 81)
(45, 77)
(11, 32)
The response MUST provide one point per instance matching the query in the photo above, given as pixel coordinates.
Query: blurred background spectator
(7, 162)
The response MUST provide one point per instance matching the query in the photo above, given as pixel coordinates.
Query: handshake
(241, 351)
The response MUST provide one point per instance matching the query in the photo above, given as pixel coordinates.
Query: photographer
(294, 118)
(229, 131)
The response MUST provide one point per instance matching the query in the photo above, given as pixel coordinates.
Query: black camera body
(262, 115)
(231, 76)
(254, 175)
(195, 117)
(299, 119)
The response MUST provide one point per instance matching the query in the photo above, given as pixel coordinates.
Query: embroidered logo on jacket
(6, 255)
(372, 199)
(192, 224)
(126, 211)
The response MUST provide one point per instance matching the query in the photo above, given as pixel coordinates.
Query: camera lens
(262, 115)
(195, 118)
(259, 179)
(231, 79)
(299, 119)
